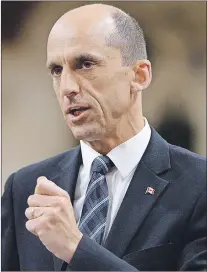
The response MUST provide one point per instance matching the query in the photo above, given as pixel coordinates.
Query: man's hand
(51, 218)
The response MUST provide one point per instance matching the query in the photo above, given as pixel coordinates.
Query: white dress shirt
(125, 157)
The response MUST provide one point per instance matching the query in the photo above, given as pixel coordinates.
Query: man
(125, 199)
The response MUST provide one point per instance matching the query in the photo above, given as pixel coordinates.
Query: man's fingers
(35, 212)
(34, 225)
(48, 187)
(44, 201)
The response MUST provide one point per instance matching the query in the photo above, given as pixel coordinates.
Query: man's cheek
(56, 85)
(58, 93)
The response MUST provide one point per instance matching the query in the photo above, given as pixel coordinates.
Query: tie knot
(102, 164)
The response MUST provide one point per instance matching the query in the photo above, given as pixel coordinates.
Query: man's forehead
(62, 31)
(79, 29)
(72, 43)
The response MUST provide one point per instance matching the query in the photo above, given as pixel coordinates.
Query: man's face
(92, 86)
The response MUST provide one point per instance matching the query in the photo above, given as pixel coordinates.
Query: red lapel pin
(150, 191)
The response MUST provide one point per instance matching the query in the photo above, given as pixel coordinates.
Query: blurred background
(175, 104)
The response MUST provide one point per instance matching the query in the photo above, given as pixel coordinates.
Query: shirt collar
(133, 149)
(88, 155)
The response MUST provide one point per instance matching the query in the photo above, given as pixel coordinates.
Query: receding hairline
(105, 9)
(125, 33)
(128, 36)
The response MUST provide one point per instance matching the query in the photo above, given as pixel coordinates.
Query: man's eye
(84, 65)
(56, 71)
(87, 64)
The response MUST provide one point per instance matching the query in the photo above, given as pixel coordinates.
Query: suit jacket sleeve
(194, 255)
(9, 252)
(90, 256)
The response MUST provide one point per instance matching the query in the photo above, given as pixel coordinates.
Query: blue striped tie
(94, 213)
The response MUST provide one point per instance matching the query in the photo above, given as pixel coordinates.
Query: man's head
(97, 58)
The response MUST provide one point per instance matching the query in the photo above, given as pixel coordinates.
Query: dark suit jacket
(164, 231)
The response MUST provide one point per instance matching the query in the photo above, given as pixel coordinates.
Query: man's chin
(86, 135)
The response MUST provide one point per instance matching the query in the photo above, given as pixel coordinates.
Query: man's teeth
(78, 111)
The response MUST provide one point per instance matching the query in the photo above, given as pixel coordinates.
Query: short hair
(128, 36)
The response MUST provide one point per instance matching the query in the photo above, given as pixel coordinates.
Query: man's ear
(142, 76)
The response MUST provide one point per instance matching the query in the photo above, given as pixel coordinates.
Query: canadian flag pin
(150, 191)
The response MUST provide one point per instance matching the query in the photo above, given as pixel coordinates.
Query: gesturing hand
(51, 218)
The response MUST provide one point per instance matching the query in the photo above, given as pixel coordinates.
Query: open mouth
(76, 111)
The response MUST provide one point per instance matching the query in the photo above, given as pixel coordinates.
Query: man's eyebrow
(78, 59)
(87, 57)
(50, 65)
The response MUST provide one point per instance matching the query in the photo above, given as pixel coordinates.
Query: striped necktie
(94, 213)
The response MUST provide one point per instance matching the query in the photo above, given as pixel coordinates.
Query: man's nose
(69, 85)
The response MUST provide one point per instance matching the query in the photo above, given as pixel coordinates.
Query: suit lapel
(68, 171)
(66, 179)
(137, 204)
(135, 207)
